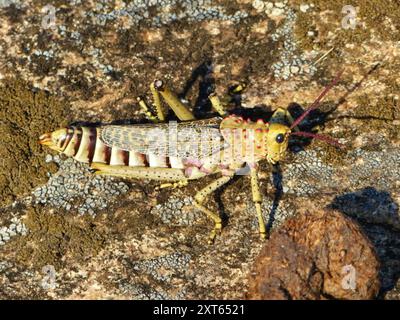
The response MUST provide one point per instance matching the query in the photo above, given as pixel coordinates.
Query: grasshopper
(176, 153)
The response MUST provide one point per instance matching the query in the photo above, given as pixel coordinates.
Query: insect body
(180, 152)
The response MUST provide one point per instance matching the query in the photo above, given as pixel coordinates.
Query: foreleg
(257, 199)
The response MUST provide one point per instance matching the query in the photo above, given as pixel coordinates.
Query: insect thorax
(247, 140)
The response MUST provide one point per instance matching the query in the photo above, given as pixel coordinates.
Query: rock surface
(81, 236)
(316, 255)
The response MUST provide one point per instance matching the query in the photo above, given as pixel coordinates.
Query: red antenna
(314, 105)
(321, 137)
(317, 101)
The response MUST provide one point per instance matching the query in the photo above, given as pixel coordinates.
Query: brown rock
(316, 255)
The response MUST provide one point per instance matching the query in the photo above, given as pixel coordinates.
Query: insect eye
(280, 138)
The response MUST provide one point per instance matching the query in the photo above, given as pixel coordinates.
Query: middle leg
(218, 105)
(199, 199)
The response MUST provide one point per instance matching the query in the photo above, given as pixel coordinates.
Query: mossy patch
(383, 108)
(332, 155)
(25, 115)
(379, 16)
(55, 239)
(379, 113)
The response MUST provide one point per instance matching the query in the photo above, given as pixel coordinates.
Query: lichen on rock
(24, 114)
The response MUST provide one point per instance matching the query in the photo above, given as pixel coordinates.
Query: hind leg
(158, 90)
(160, 117)
(160, 111)
(182, 112)
(160, 174)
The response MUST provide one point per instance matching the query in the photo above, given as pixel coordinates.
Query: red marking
(259, 130)
(205, 170)
(67, 138)
(252, 165)
(188, 171)
(92, 143)
(144, 160)
(258, 147)
(107, 154)
(78, 140)
(192, 162)
(125, 157)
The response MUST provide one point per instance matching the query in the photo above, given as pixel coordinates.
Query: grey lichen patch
(75, 187)
(309, 174)
(44, 62)
(162, 12)
(381, 170)
(165, 267)
(15, 228)
(143, 292)
(291, 61)
(177, 211)
(19, 282)
(303, 175)
(7, 3)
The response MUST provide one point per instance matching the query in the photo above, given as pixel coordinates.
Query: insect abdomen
(84, 145)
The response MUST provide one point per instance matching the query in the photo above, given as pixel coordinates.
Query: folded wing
(194, 139)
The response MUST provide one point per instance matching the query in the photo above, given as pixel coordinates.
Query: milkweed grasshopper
(176, 153)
